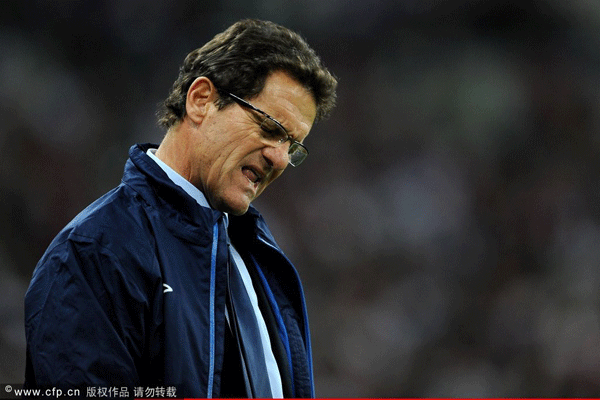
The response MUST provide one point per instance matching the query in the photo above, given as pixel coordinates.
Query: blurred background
(447, 222)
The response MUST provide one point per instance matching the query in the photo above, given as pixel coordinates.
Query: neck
(174, 150)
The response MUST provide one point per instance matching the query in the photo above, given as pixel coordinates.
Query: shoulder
(114, 220)
(114, 230)
(108, 243)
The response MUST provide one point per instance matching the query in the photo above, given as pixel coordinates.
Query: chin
(233, 204)
(234, 208)
(238, 211)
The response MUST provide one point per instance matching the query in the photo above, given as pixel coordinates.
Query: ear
(200, 96)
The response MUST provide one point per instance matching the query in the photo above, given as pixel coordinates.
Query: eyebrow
(253, 107)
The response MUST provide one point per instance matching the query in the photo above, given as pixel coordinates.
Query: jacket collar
(180, 212)
(178, 209)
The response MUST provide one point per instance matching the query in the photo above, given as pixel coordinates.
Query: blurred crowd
(446, 224)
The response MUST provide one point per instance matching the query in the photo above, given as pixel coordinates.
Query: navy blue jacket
(132, 292)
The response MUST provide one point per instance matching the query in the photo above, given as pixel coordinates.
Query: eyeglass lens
(276, 135)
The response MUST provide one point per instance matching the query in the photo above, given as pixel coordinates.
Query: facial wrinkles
(213, 156)
(289, 103)
(228, 154)
(254, 158)
(290, 111)
(284, 100)
(244, 149)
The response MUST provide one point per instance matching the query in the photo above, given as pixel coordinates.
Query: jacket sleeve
(86, 314)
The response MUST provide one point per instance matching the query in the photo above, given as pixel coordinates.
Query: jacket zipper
(213, 271)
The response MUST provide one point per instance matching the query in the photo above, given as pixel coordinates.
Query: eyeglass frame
(294, 144)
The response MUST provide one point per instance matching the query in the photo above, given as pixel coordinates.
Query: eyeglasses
(275, 134)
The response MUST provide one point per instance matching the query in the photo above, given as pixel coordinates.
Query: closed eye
(273, 131)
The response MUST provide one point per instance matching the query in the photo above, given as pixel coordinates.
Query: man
(173, 279)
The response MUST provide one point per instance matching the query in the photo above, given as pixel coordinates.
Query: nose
(277, 157)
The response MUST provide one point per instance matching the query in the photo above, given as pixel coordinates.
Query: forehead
(287, 101)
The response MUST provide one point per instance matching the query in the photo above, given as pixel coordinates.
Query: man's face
(232, 163)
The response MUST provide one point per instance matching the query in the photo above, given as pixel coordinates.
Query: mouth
(253, 175)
